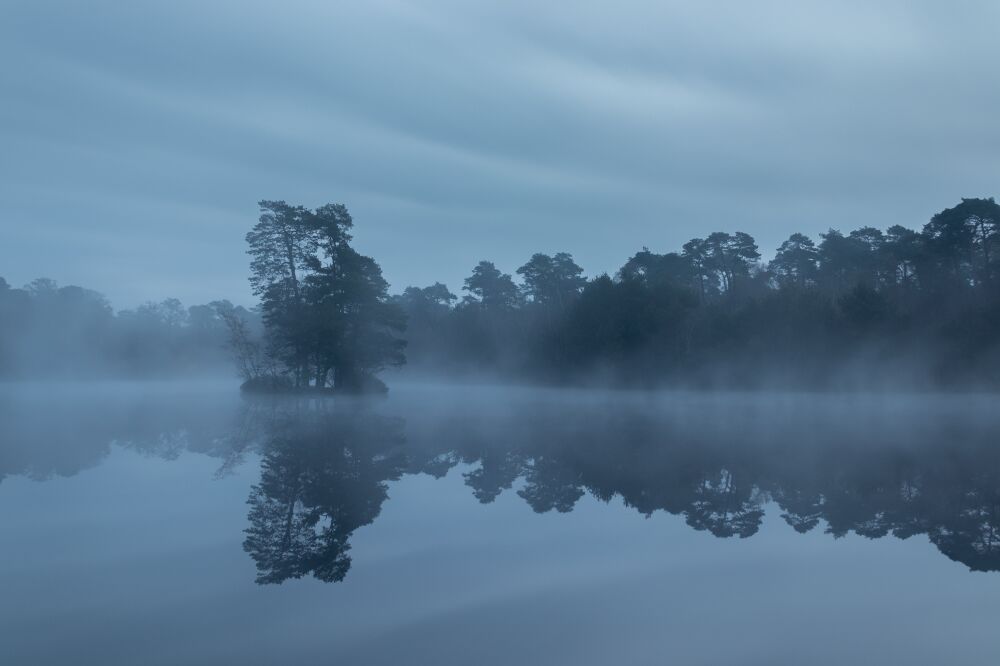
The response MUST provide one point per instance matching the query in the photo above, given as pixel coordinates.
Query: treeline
(865, 307)
(53, 332)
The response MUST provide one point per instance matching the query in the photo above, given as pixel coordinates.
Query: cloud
(138, 136)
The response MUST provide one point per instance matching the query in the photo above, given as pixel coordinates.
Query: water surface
(182, 523)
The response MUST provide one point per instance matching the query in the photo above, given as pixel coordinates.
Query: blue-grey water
(184, 524)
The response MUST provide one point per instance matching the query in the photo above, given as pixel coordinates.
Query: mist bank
(898, 308)
(48, 332)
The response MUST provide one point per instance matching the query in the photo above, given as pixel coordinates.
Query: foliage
(325, 306)
(862, 306)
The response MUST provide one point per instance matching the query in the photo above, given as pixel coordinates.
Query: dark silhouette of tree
(552, 281)
(698, 253)
(731, 256)
(491, 289)
(795, 263)
(325, 306)
(436, 299)
(963, 239)
(902, 251)
(658, 270)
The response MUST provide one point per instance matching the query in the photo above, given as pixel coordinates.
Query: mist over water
(508, 333)
(179, 522)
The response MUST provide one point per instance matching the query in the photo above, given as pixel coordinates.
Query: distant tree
(41, 287)
(963, 240)
(552, 281)
(436, 298)
(658, 269)
(902, 251)
(721, 259)
(870, 265)
(490, 288)
(795, 261)
(169, 313)
(842, 261)
(252, 363)
(698, 253)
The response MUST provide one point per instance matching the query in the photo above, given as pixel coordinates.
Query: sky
(136, 137)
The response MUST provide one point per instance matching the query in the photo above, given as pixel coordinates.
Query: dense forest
(867, 307)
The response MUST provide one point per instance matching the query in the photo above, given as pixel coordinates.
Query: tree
(356, 326)
(841, 261)
(795, 261)
(491, 289)
(657, 270)
(552, 281)
(869, 242)
(721, 258)
(325, 306)
(901, 251)
(282, 247)
(962, 240)
(437, 297)
(698, 254)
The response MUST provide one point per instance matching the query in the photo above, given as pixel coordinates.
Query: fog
(499, 333)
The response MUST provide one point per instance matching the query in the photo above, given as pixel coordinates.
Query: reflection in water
(877, 467)
(324, 474)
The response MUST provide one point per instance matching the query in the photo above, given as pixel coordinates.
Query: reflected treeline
(326, 471)
(876, 466)
(54, 430)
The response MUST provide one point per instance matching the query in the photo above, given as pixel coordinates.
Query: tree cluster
(325, 307)
(861, 307)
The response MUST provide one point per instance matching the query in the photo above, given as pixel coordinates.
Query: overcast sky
(136, 138)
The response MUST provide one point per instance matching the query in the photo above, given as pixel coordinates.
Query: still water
(185, 524)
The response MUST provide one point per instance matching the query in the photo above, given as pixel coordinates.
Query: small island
(328, 322)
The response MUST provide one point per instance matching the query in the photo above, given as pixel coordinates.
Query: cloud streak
(138, 136)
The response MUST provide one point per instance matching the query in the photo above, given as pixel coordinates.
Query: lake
(173, 523)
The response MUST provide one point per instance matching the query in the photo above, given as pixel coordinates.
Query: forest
(867, 307)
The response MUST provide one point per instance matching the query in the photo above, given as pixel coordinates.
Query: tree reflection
(326, 465)
(324, 474)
